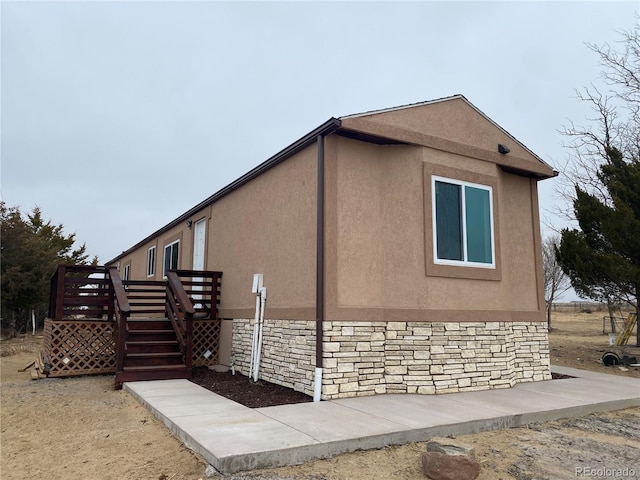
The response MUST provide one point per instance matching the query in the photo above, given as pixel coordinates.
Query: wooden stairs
(151, 321)
(152, 352)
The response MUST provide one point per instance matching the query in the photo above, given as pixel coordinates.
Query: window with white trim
(126, 272)
(462, 223)
(171, 253)
(151, 261)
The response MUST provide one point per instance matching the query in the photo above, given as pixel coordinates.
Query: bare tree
(556, 282)
(612, 132)
(615, 122)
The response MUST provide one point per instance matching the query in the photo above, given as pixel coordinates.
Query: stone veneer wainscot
(367, 358)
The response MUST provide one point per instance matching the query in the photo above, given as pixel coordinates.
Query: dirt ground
(82, 428)
(576, 340)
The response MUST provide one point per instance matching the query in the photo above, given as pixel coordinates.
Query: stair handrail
(180, 311)
(122, 310)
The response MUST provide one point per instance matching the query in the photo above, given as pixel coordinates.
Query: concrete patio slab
(339, 423)
(167, 397)
(418, 411)
(155, 388)
(583, 389)
(516, 402)
(606, 377)
(233, 438)
(230, 436)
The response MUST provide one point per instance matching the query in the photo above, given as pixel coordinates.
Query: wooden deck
(137, 329)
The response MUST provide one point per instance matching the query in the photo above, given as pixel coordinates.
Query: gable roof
(356, 126)
(451, 124)
(440, 100)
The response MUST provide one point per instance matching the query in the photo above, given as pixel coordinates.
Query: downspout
(317, 385)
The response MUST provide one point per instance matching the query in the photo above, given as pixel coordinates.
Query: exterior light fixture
(189, 223)
(503, 149)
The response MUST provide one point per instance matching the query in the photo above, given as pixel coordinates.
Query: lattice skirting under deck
(79, 347)
(88, 347)
(206, 342)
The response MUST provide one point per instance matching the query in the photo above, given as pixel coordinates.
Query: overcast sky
(119, 116)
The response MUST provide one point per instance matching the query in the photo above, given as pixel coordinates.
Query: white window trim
(126, 272)
(153, 265)
(461, 263)
(164, 256)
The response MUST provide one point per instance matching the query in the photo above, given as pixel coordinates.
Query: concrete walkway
(233, 438)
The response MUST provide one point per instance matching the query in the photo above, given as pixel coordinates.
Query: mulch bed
(245, 391)
(258, 394)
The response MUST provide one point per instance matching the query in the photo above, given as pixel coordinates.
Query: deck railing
(180, 311)
(97, 293)
(81, 291)
(191, 294)
(122, 310)
(203, 287)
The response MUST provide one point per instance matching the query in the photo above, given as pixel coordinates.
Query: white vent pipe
(317, 385)
(263, 300)
(256, 344)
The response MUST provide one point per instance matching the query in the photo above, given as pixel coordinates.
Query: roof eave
(328, 127)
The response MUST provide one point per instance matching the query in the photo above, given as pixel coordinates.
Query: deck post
(62, 273)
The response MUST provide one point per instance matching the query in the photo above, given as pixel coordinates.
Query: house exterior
(400, 248)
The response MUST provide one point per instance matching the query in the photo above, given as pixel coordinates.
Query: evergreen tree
(31, 250)
(602, 259)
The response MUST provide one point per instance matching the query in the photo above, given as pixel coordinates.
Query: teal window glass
(463, 223)
(448, 221)
(478, 223)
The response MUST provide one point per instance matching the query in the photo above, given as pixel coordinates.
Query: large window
(171, 257)
(462, 223)
(151, 262)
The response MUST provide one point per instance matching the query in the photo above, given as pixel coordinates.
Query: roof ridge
(408, 105)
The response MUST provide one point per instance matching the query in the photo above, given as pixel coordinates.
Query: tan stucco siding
(379, 219)
(453, 126)
(140, 262)
(518, 243)
(379, 253)
(268, 226)
(453, 120)
(178, 233)
(379, 229)
(138, 258)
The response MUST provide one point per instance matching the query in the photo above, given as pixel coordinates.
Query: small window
(151, 262)
(171, 257)
(126, 272)
(462, 223)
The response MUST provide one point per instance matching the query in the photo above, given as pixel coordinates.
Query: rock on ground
(440, 466)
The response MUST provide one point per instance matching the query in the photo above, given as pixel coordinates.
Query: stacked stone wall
(367, 358)
(288, 352)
